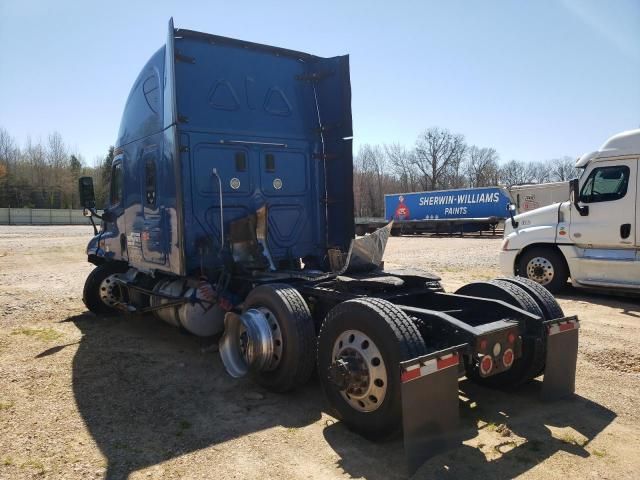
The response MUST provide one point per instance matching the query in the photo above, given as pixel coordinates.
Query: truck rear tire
(296, 328)
(100, 292)
(545, 266)
(371, 336)
(529, 365)
(543, 297)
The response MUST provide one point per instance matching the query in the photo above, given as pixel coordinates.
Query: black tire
(298, 336)
(91, 291)
(529, 365)
(361, 230)
(555, 258)
(397, 339)
(543, 297)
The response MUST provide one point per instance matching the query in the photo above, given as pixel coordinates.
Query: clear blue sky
(535, 80)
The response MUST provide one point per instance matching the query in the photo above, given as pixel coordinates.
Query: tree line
(441, 160)
(44, 174)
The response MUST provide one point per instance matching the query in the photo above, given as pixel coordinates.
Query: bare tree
(437, 150)
(481, 166)
(563, 169)
(402, 165)
(369, 180)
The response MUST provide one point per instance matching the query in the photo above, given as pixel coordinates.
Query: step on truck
(230, 214)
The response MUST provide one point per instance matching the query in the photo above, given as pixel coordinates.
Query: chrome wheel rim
(251, 342)
(540, 270)
(110, 290)
(276, 338)
(368, 385)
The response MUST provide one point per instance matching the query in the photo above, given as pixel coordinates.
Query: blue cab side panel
(145, 232)
(251, 112)
(447, 204)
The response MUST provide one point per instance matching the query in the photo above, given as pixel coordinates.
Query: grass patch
(599, 453)
(5, 405)
(571, 439)
(7, 461)
(44, 334)
(491, 427)
(36, 465)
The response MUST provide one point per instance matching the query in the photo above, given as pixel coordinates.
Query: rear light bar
(496, 351)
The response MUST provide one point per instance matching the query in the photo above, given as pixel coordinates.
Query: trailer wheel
(530, 364)
(293, 333)
(545, 266)
(100, 293)
(360, 346)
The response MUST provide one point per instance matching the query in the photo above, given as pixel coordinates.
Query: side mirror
(574, 188)
(511, 208)
(87, 195)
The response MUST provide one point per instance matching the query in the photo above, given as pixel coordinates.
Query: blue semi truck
(230, 216)
(442, 211)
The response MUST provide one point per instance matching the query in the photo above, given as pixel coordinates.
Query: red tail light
(486, 364)
(507, 357)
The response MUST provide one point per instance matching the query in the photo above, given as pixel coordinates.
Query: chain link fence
(42, 216)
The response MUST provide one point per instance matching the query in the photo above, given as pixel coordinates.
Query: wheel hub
(252, 341)
(541, 270)
(110, 293)
(358, 371)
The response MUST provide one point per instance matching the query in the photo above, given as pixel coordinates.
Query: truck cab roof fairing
(143, 111)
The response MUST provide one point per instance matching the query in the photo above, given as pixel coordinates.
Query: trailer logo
(402, 211)
(235, 183)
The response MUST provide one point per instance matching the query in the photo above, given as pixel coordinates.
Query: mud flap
(430, 414)
(562, 355)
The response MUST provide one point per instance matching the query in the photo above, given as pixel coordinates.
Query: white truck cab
(593, 238)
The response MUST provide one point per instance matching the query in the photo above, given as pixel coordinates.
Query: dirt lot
(88, 397)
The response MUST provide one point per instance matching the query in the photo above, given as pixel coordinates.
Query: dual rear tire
(527, 295)
(368, 337)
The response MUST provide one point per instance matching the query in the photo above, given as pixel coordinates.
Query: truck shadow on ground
(628, 304)
(148, 394)
(536, 431)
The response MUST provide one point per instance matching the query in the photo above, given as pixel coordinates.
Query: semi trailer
(441, 211)
(230, 215)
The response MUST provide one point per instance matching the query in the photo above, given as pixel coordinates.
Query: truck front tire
(545, 266)
(100, 292)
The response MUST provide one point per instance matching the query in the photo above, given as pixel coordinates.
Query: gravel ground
(88, 397)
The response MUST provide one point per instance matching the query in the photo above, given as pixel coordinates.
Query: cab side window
(116, 184)
(150, 182)
(605, 184)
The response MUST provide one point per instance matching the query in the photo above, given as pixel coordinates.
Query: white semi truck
(593, 238)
